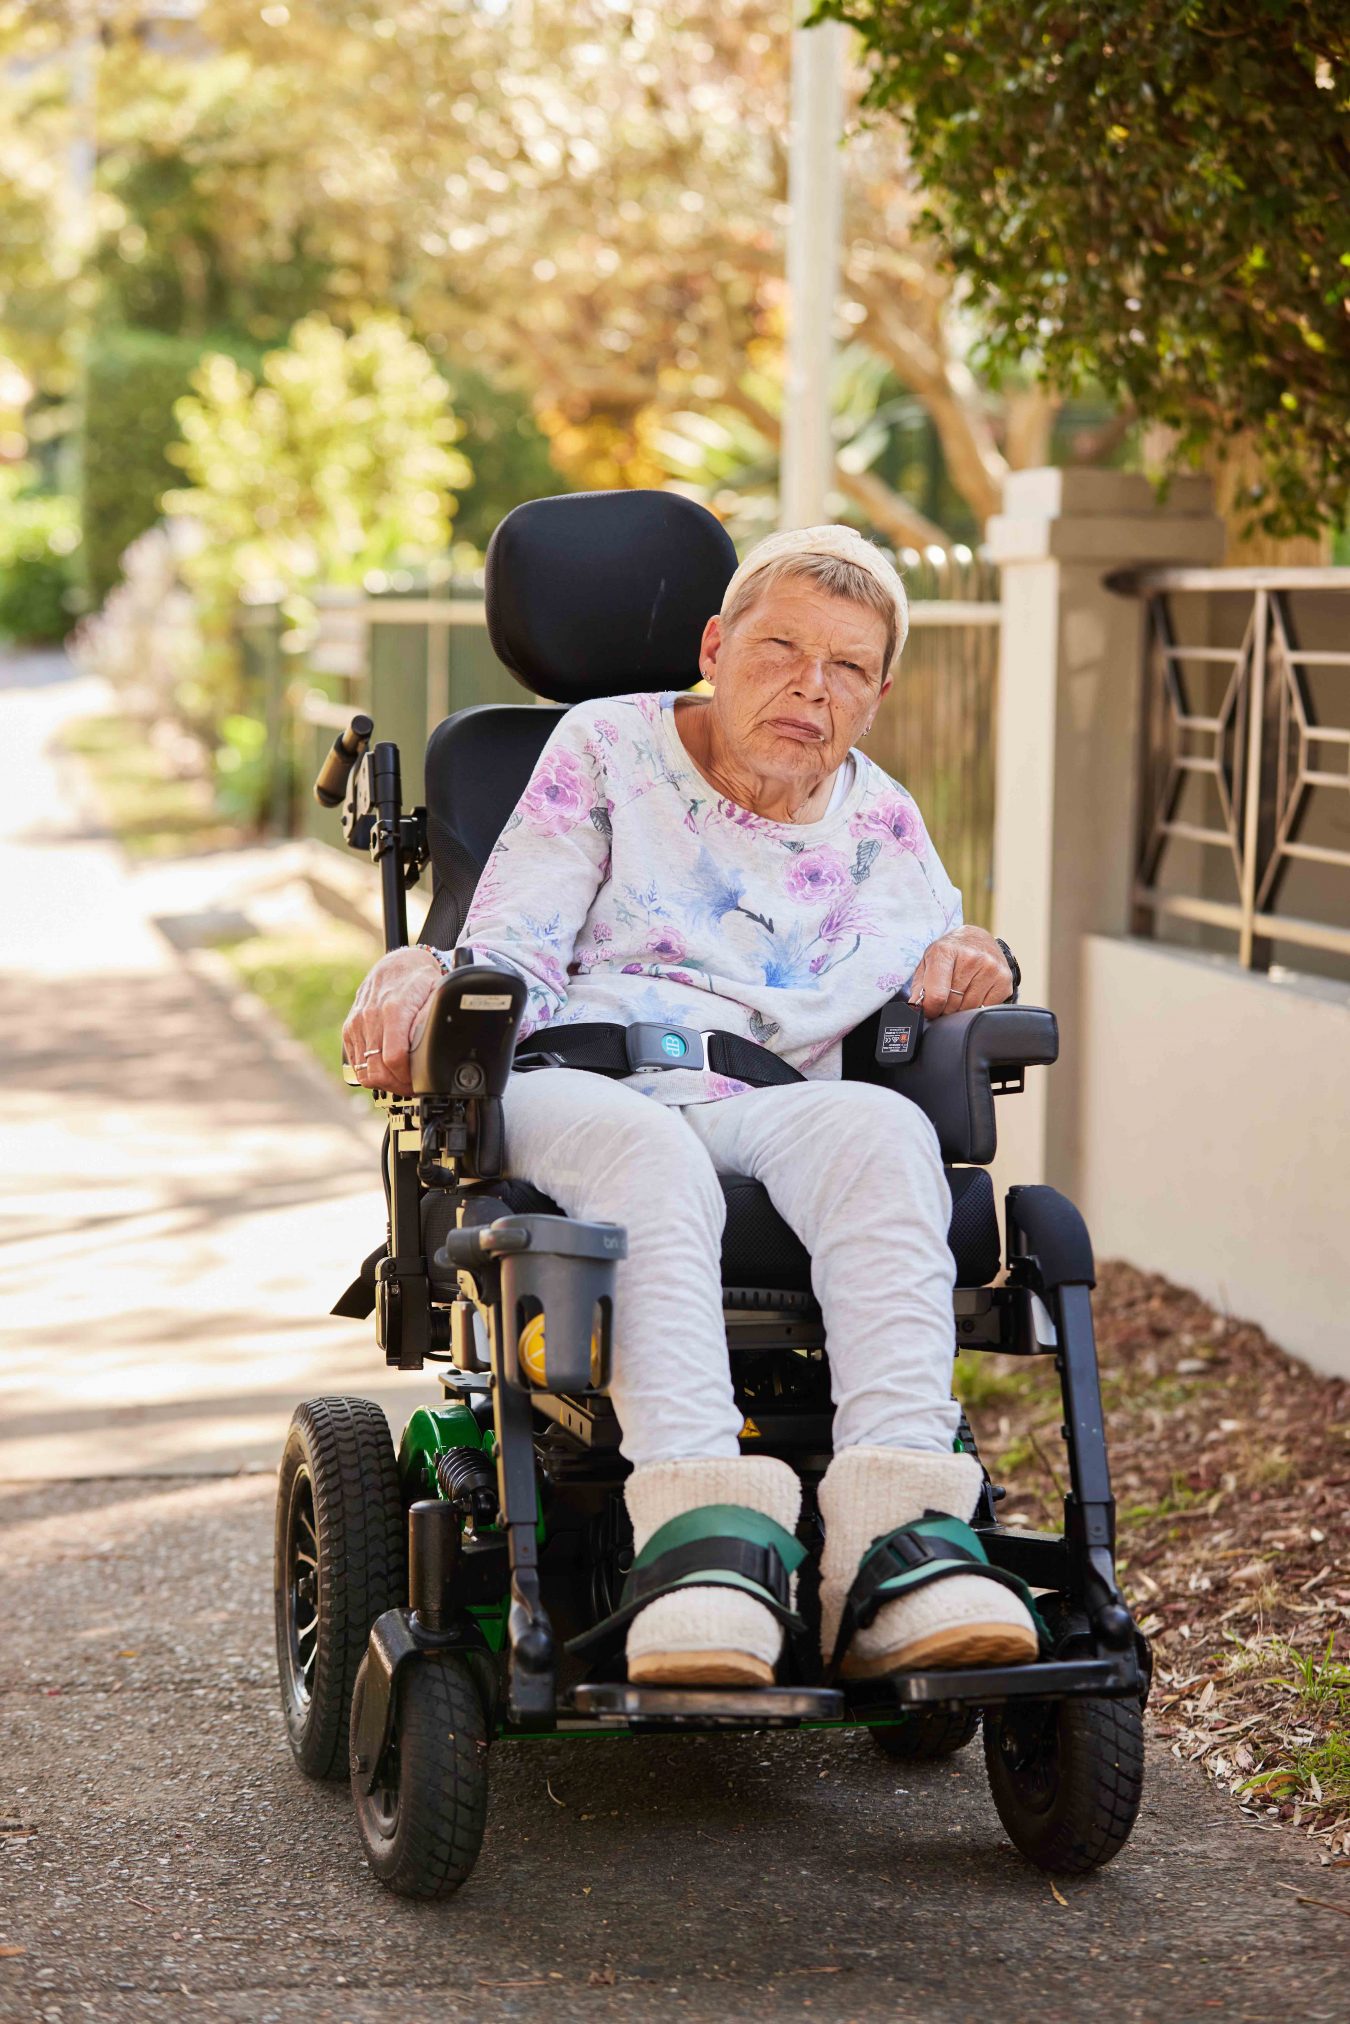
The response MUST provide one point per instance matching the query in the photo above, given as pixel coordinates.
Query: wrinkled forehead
(815, 617)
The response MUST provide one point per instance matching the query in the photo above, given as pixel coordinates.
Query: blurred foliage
(581, 203)
(39, 542)
(508, 450)
(154, 809)
(1153, 194)
(132, 380)
(243, 770)
(146, 641)
(309, 981)
(337, 460)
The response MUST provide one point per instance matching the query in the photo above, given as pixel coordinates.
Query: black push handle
(331, 785)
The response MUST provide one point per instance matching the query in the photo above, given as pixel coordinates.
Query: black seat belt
(610, 1049)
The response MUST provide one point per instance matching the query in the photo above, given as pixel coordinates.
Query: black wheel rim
(302, 1590)
(1028, 1743)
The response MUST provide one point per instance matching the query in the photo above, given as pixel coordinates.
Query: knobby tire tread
(442, 1745)
(1101, 1787)
(359, 1518)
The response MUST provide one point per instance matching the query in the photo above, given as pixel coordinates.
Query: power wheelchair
(431, 1599)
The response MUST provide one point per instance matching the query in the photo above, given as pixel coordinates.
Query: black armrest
(964, 1060)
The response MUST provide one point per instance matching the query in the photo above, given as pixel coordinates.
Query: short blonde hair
(839, 578)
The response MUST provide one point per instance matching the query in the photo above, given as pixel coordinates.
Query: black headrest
(605, 593)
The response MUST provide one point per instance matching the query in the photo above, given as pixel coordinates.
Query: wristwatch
(1013, 965)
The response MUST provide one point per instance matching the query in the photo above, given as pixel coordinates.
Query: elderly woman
(735, 862)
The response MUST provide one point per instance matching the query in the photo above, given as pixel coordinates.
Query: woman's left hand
(963, 970)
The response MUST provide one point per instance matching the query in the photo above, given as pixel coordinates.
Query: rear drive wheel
(422, 1826)
(1067, 1778)
(927, 1734)
(340, 1561)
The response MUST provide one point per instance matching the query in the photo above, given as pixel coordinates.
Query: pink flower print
(744, 818)
(889, 980)
(601, 931)
(609, 732)
(680, 977)
(667, 944)
(816, 874)
(894, 818)
(559, 796)
(725, 1085)
(818, 962)
(631, 970)
(846, 917)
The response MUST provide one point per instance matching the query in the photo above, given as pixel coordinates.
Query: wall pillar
(1067, 753)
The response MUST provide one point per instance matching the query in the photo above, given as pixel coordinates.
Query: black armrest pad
(950, 1078)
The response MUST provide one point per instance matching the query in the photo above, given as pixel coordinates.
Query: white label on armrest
(484, 1001)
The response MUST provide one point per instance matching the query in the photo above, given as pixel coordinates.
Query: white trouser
(853, 1168)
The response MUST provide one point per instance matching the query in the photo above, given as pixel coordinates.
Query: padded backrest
(605, 593)
(478, 765)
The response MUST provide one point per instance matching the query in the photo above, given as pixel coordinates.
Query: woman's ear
(708, 649)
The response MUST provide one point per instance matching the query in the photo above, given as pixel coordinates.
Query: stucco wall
(1214, 1135)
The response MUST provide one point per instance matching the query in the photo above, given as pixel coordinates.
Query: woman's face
(796, 681)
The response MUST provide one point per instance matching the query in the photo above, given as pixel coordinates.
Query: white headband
(829, 539)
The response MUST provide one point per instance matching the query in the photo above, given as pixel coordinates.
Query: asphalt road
(164, 1859)
(180, 1204)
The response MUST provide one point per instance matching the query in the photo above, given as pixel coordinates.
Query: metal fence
(1244, 804)
(410, 659)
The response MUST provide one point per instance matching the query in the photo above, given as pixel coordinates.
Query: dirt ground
(1231, 1468)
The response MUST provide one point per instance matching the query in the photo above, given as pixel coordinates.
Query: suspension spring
(469, 1481)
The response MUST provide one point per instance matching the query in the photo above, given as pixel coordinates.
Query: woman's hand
(385, 1018)
(965, 969)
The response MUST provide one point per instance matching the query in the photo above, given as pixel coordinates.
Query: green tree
(336, 461)
(1154, 193)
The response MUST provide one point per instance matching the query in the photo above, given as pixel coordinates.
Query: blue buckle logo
(674, 1044)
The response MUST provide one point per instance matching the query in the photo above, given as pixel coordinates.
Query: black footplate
(987, 1686)
(703, 1707)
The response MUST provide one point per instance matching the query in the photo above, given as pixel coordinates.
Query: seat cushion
(759, 1250)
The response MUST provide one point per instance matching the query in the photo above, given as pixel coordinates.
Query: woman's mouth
(797, 727)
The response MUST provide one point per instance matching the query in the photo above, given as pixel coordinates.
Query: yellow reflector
(530, 1351)
(750, 1432)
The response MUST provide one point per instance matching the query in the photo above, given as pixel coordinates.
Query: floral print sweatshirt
(623, 887)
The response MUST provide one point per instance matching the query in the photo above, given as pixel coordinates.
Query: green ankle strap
(933, 1548)
(715, 1546)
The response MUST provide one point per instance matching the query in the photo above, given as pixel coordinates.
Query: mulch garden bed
(1231, 1470)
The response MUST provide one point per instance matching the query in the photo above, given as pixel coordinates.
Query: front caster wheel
(927, 1735)
(422, 1826)
(1067, 1778)
(341, 1561)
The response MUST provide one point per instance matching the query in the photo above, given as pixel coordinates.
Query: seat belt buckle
(651, 1046)
(899, 1030)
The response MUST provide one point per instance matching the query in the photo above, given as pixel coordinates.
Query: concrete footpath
(179, 1210)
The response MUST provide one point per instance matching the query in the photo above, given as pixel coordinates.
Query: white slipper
(707, 1637)
(962, 1620)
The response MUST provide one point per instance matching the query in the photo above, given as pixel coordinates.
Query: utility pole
(815, 193)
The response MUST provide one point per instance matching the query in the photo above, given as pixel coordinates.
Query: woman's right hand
(385, 1018)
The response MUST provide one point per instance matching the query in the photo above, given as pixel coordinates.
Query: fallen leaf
(1058, 1899)
(10, 1953)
